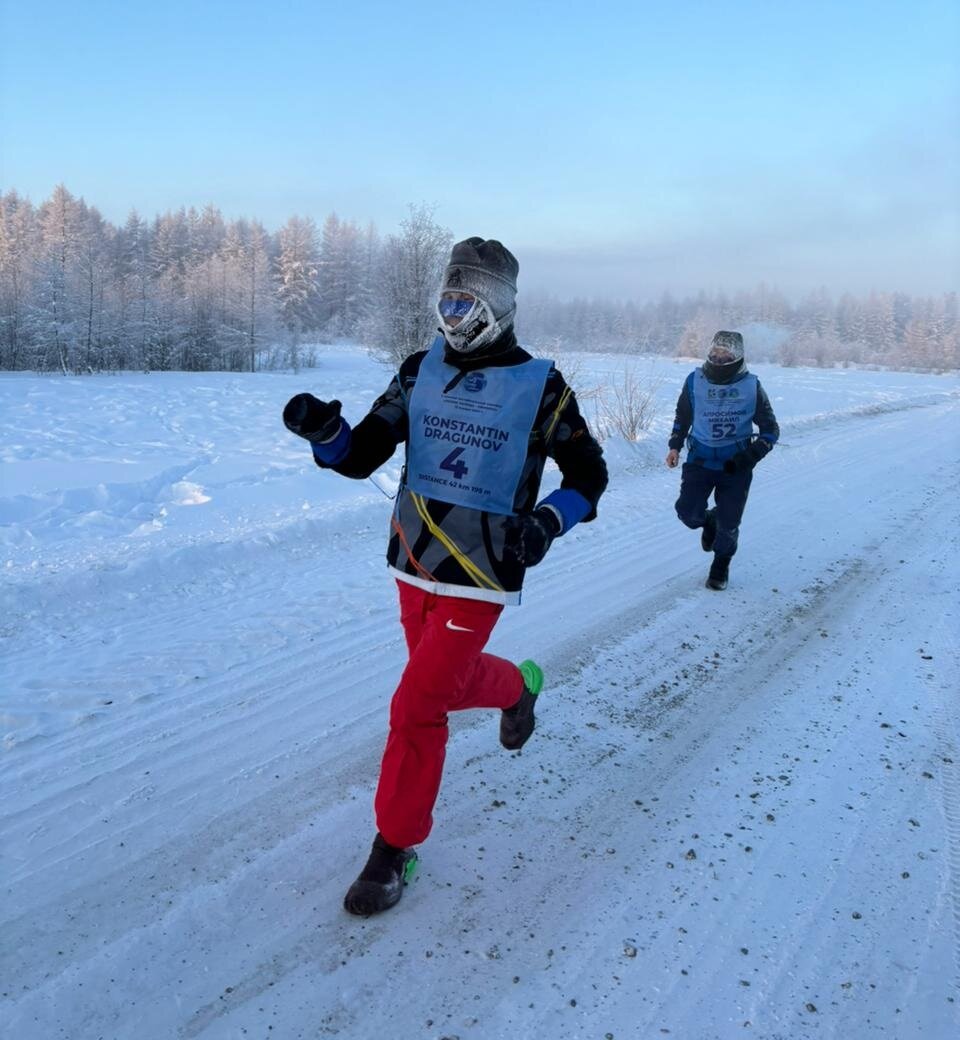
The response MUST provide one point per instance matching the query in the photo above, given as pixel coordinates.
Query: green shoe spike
(532, 676)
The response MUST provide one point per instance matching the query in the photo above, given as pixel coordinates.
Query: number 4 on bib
(452, 464)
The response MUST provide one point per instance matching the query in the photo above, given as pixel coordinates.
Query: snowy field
(739, 815)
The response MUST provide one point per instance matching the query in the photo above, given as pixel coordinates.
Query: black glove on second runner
(748, 458)
(314, 420)
(528, 535)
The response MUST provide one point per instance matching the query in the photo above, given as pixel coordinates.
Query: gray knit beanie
(488, 270)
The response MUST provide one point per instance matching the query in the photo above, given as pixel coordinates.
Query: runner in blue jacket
(719, 406)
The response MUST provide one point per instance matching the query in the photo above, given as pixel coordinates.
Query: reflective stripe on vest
(468, 444)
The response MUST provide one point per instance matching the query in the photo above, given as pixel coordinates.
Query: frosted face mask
(722, 365)
(468, 323)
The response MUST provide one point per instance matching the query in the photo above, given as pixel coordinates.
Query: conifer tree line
(192, 291)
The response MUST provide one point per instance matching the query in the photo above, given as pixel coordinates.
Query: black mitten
(748, 458)
(314, 420)
(528, 535)
(738, 463)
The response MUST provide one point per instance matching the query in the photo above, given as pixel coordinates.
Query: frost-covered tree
(410, 270)
(56, 311)
(166, 339)
(190, 290)
(170, 246)
(816, 313)
(879, 327)
(248, 309)
(93, 263)
(698, 332)
(342, 264)
(132, 291)
(297, 269)
(18, 244)
(207, 233)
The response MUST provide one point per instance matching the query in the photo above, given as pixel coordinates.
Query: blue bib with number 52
(723, 412)
(469, 433)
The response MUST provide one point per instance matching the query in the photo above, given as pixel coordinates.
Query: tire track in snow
(176, 865)
(828, 607)
(599, 828)
(943, 638)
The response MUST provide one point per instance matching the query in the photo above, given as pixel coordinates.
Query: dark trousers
(730, 492)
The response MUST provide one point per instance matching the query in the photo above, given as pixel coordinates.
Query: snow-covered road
(739, 816)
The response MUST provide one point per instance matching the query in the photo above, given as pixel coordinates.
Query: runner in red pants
(479, 417)
(447, 671)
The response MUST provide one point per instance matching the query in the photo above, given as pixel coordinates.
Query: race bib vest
(468, 443)
(723, 414)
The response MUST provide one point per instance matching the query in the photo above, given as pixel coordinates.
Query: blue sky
(620, 149)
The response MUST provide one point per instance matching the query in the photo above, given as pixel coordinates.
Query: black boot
(708, 533)
(380, 884)
(517, 723)
(719, 573)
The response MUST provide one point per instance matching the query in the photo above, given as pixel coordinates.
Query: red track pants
(447, 671)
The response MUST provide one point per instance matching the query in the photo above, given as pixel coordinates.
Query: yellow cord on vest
(479, 578)
(555, 418)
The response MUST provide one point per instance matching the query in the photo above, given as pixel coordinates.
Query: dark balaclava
(487, 270)
(725, 357)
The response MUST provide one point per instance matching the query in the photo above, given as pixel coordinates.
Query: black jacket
(415, 551)
(763, 417)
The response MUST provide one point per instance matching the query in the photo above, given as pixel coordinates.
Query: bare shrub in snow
(627, 406)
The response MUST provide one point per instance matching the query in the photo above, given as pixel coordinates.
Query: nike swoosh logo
(457, 628)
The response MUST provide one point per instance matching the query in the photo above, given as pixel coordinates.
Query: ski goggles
(449, 307)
